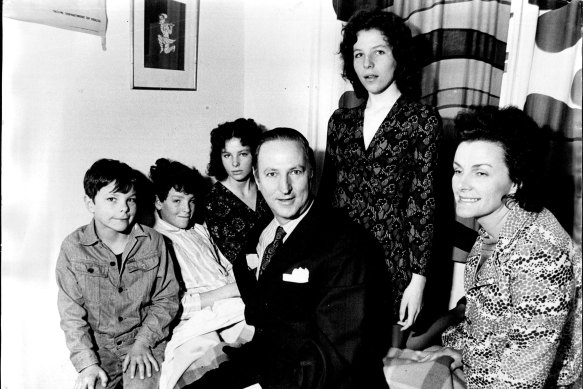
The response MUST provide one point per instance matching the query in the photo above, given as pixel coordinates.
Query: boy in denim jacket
(117, 288)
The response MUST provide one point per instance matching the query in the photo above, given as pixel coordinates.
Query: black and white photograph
(291, 194)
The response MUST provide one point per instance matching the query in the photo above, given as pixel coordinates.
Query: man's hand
(140, 359)
(411, 301)
(88, 377)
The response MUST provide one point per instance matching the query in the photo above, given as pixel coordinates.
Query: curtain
(543, 76)
(463, 45)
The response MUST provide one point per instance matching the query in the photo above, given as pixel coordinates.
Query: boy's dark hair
(167, 174)
(105, 171)
(246, 130)
(398, 36)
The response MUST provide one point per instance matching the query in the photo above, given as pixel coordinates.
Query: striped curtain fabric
(463, 43)
(543, 76)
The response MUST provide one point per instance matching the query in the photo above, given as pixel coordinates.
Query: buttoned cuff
(83, 359)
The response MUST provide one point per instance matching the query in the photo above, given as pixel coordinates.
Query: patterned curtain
(543, 76)
(463, 44)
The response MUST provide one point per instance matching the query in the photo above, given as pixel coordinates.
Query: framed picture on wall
(164, 44)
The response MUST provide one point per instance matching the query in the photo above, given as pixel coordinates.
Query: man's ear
(89, 204)
(256, 177)
(514, 188)
(158, 203)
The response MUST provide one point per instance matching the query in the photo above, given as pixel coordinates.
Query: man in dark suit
(315, 287)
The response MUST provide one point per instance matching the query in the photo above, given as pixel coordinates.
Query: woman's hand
(432, 354)
(411, 302)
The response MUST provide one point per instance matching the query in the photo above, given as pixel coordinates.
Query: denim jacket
(99, 304)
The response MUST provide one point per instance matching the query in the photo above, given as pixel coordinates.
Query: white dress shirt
(268, 233)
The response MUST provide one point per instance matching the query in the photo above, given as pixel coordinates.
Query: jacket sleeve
(421, 201)
(542, 293)
(353, 316)
(73, 314)
(328, 177)
(164, 301)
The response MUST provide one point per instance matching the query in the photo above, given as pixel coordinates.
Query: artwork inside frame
(164, 44)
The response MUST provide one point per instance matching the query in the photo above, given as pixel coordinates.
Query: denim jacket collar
(89, 235)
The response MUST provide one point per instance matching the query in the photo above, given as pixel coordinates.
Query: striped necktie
(272, 248)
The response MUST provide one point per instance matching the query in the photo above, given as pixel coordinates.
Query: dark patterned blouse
(388, 188)
(229, 219)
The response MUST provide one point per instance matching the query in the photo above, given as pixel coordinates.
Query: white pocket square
(299, 276)
(252, 261)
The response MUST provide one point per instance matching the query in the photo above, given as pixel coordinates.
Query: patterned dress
(523, 315)
(388, 188)
(229, 219)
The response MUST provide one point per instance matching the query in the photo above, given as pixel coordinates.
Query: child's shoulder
(80, 234)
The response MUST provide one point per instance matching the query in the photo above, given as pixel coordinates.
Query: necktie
(272, 248)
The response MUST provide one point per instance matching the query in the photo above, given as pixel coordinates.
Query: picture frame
(164, 44)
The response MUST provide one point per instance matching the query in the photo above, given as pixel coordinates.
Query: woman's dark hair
(522, 141)
(167, 174)
(398, 36)
(246, 130)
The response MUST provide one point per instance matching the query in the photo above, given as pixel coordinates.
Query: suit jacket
(330, 332)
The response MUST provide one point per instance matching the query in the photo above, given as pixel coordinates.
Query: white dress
(203, 269)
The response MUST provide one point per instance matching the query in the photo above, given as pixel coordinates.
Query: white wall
(292, 70)
(67, 103)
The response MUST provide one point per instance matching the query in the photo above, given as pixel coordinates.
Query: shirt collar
(516, 220)
(292, 224)
(89, 236)
(163, 226)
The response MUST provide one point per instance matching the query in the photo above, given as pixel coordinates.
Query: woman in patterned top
(234, 205)
(522, 326)
(381, 155)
